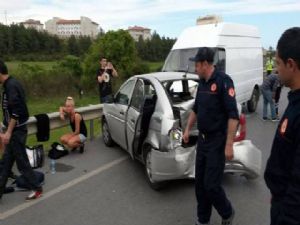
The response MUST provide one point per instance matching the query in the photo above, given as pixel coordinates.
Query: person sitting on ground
(77, 138)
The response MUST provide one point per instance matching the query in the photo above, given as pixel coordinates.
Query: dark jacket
(282, 174)
(215, 103)
(14, 103)
(271, 83)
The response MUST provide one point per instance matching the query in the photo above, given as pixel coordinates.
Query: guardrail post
(91, 129)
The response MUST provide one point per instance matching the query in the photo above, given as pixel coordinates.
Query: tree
(72, 65)
(84, 43)
(3, 40)
(118, 47)
(72, 46)
(155, 49)
(18, 42)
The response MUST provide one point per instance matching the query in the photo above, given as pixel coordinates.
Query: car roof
(166, 76)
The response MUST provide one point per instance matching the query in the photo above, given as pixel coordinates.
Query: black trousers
(210, 163)
(283, 216)
(275, 212)
(15, 152)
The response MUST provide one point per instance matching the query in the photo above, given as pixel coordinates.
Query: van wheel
(253, 102)
(148, 171)
(107, 139)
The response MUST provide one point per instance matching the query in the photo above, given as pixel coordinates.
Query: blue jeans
(267, 94)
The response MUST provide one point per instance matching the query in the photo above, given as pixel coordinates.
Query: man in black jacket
(282, 173)
(15, 116)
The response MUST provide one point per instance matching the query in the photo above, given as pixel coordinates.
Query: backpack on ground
(36, 156)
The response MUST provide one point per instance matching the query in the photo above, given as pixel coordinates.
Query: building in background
(136, 32)
(66, 28)
(209, 19)
(35, 24)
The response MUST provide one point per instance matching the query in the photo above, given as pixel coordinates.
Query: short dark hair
(3, 68)
(204, 54)
(289, 45)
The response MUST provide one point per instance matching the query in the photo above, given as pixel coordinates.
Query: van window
(178, 60)
(220, 59)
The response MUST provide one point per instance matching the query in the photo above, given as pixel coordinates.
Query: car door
(134, 114)
(118, 113)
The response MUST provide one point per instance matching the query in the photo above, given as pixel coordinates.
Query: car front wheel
(107, 139)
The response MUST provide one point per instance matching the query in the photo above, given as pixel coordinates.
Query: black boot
(81, 149)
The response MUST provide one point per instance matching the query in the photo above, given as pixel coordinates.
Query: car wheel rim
(148, 167)
(105, 133)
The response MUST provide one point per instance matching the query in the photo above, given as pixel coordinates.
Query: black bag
(21, 182)
(57, 151)
(36, 156)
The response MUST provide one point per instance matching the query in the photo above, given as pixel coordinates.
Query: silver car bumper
(175, 164)
(180, 163)
(247, 160)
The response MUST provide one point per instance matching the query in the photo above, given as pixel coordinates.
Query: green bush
(38, 81)
(71, 64)
(140, 68)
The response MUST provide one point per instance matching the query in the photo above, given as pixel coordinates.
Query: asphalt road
(105, 187)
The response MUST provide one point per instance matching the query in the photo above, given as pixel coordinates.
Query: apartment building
(66, 28)
(136, 32)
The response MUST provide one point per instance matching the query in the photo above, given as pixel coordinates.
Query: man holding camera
(104, 77)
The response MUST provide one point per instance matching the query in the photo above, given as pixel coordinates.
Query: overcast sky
(167, 17)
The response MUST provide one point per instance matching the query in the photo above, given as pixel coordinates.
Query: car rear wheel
(148, 170)
(107, 139)
(251, 176)
(253, 102)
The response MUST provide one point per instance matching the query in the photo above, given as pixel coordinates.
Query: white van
(238, 53)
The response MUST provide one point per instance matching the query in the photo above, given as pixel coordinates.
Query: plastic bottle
(52, 166)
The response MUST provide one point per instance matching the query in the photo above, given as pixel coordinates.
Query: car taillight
(241, 134)
(175, 136)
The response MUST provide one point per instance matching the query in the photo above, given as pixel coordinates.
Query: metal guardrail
(89, 113)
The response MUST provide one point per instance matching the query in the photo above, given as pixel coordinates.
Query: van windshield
(178, 60)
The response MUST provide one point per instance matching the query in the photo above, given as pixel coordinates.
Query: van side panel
(242, 44)
(244, 63)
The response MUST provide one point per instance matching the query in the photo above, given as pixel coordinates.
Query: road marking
(61, 188)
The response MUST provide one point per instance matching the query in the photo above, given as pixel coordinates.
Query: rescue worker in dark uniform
(216, 113)
(282, 174)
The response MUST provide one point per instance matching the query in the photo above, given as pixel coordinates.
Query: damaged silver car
(147, 117)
